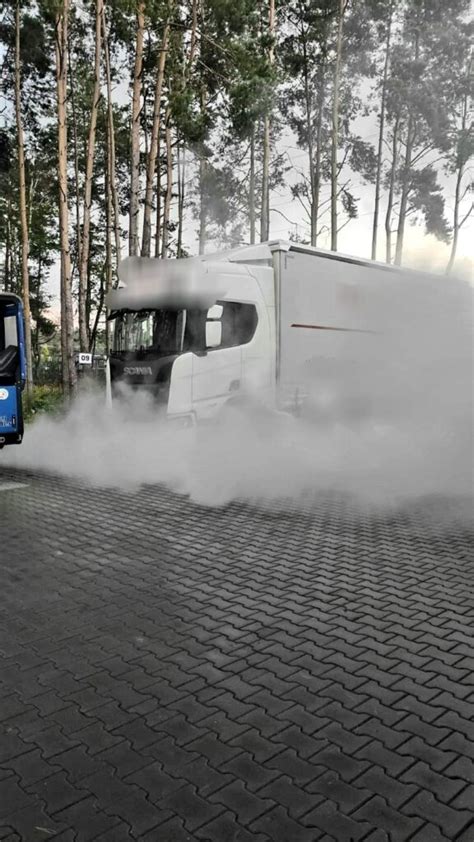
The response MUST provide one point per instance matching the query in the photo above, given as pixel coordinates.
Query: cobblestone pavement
(171, 672)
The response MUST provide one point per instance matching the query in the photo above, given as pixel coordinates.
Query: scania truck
(264, 322)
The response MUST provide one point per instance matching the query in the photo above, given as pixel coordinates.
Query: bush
(45, 399)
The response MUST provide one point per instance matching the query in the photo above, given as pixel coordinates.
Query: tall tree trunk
(135, 132)
(90, 156)
(461, 165)
(317, 163)
(181, 144)
(202, 209)
(405, 192)
(193, 40)
(181, 196)
(158, 202)
(391, 193)
(25, 244)
(308, 106)
(98, 314)
(151, 162)
(454, 244)
(265, 204)
(69, 378)
(144, 123)
(108, 243)
(35, 342)
(169, 186)
(202, 183)
(335, 125)
(88, 305)
(410, 139)
(111, 141)
(198, 9)
(378, 174)
(252, 186)
(77, 191)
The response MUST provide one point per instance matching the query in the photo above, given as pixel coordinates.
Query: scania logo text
(137, 369)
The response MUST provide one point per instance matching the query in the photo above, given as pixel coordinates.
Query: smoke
(388, 418)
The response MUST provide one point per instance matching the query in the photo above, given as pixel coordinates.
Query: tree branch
(466, 216)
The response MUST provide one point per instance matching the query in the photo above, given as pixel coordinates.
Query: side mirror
(215, 312)
(213, 334)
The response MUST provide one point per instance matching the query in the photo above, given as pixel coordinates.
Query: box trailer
(276, 323)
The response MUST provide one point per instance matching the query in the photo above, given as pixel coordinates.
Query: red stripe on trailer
(328, 327)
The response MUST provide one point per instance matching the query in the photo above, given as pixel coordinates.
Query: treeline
(127, 124)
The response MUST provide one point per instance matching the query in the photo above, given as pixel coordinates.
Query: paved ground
(171, 672)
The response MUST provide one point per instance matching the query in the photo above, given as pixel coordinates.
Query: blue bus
(12, 368)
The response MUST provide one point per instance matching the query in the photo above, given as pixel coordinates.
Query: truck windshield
(150, 331)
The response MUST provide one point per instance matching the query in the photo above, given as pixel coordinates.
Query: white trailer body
(264, 322)
(328, 309)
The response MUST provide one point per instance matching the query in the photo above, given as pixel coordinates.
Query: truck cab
(12, 369)
(192, 334)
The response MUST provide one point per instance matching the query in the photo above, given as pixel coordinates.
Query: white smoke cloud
(390, 419)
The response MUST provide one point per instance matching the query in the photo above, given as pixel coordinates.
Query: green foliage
(5, 151)
(45, 400)
(427, 200)
(215, 105)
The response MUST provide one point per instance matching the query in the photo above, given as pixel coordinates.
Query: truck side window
(239, 322)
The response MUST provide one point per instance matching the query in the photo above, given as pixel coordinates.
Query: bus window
(10, 335)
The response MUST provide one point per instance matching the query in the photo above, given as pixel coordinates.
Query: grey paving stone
(226, 827)
(12, 796)
(86, 820)
(449, 819)
(191, 808)
(279, 827)
(276, 672)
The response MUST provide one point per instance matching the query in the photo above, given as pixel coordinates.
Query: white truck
(279, 323)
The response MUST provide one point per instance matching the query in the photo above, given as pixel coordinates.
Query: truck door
(217, 372)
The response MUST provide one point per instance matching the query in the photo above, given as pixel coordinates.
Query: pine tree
(23, 202)
(69, 377)
(155, 137)
(83, 255)
(385, 31)
(460, 153)
(133, 243)
(267, 140)
(418, 115)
